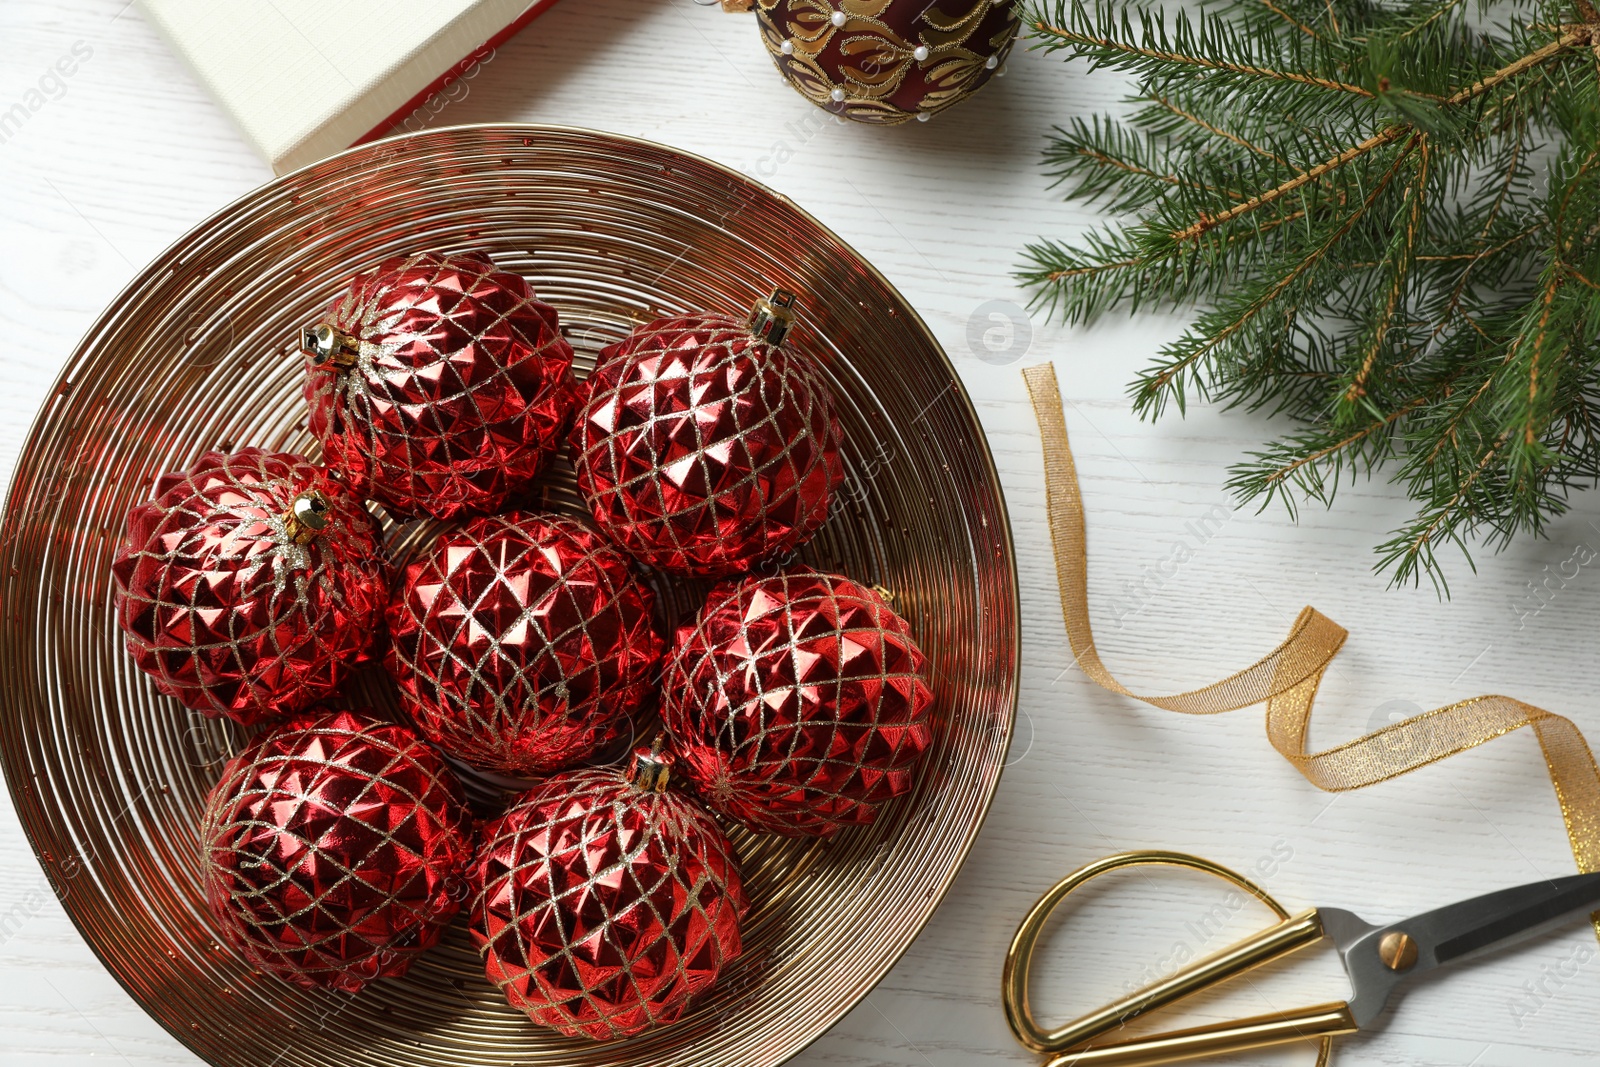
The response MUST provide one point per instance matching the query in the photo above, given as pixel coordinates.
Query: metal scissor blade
(1509, 916)
(1378, 959)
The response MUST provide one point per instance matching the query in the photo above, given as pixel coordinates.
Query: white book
(306, 78)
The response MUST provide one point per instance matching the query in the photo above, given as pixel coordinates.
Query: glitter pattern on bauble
(336, 850)
(887, 61)
(797, 704)
(439, 385)
(703, 449)
(522, 643)
(607, 902)
(236, 607)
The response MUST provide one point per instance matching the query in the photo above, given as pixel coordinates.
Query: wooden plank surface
(126, 153)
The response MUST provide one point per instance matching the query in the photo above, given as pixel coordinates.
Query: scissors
(1377, 959)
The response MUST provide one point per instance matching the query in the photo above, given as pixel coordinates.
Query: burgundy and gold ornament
(886, 61)
(250, 584)
(522, 642)
(797, 704)
(705, 444)
(438, 384)
(606, 902)
(336, 850)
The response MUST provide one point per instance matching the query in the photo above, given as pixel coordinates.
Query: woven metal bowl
(109, 778)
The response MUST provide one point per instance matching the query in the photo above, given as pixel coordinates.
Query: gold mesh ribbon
(1288, 676)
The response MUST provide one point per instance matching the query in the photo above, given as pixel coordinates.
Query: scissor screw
(1397, 951)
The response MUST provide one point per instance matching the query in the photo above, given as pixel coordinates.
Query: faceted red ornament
(522, 642)
(336, 850)
(606, 904)
(250, 584)
(439, 385)
(885, 61)
(797, 704)
(707, 444)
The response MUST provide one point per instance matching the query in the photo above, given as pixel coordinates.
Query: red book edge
(478, 55)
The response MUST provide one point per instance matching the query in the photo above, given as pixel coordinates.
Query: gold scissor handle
(1276, 1028)
(1289, 935)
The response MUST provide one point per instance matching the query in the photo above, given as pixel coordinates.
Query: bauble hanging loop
(772, 318)
(306, 518)
(650, 769)
(326, 343)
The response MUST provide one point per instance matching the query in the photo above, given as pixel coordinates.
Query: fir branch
(1107, 162)
(1346, 191)
(1577, 35)
(1206, 223)
(1387, 136)
(1146, 56)
(1312, 464)
(1220, 328)
(1432, 17)
(1413, 551)
(1232, 138)
(1290, 19)
(1401, 254)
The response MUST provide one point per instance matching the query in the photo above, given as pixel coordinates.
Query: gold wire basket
(109, 778)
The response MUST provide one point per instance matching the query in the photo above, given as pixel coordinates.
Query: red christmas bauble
(439, 385)
(797, 704)
(522, 643)
(706, 445)
(250, 584)
(605, 902)
(337, 850)
(886, 61)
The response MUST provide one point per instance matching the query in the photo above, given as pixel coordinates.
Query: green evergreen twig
(1388, 217)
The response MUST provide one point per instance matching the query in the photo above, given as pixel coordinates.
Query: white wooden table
(129, 153)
